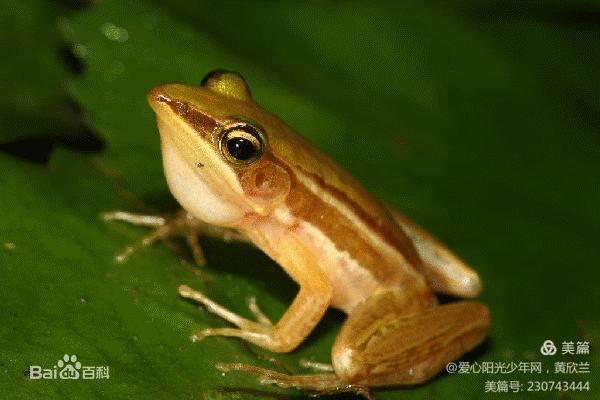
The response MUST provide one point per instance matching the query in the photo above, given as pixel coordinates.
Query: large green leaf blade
(438, 110)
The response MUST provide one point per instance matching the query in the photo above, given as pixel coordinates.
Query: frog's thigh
(381, 345)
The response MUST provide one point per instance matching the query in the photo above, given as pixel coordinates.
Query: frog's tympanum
(235, 167)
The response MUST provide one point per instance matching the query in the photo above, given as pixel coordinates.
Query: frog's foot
(316, 385)
(249, 330)
(181, 223)
(164, 228)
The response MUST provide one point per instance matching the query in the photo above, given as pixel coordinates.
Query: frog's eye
(241, 144)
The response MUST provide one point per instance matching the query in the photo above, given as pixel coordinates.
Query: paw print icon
(69, 367)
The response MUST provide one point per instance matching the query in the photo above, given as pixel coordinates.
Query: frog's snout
(158, 95)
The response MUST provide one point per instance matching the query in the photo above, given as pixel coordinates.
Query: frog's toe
(201, 334)
(134, 218)
(260, 316)
(217, 309)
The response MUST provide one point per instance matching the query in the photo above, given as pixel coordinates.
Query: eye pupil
(241, 148)
(242, 144)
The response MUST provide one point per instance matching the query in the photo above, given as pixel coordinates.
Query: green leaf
(481, 125)
(64, 294)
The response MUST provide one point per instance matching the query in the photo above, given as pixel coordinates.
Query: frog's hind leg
(382, 344)
(445, 272)
(389, 341)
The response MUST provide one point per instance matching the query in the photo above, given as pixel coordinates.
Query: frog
(240, 172)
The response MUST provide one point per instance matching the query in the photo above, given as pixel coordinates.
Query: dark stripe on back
(201, 122)
(306, 205)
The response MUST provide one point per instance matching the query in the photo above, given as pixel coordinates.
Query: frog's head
(215, 142)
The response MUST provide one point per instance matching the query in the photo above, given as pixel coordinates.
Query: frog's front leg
(295, 325)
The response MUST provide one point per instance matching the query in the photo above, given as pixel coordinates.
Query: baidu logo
(69, 368)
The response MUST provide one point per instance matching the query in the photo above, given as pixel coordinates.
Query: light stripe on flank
(337, 264)
(380, 253)
(341, 266)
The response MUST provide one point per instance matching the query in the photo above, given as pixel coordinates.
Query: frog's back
(359, 243)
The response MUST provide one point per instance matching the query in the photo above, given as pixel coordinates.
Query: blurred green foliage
(479, 120)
